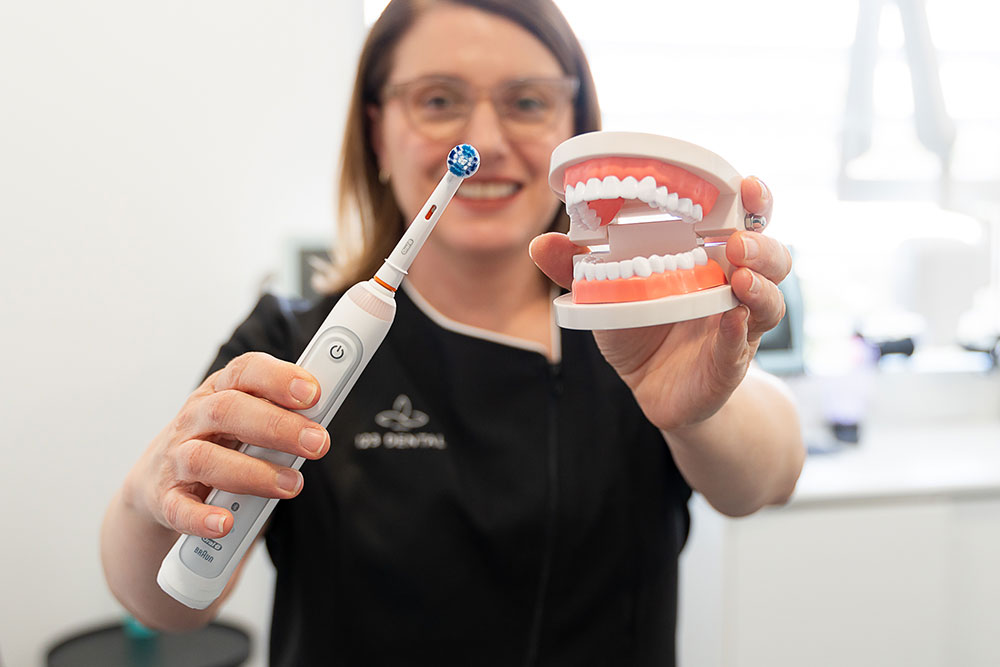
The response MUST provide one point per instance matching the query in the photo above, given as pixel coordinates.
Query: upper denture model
(655, 214)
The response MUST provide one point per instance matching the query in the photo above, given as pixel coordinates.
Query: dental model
(196, 569)
(655, 213)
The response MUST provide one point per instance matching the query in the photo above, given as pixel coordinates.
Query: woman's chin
(487, 240)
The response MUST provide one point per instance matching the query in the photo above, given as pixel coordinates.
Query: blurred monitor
(781, 349)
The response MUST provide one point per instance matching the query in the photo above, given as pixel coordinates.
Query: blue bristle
(463, 160)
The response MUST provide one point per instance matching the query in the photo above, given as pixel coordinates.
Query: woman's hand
(683, 373)
(250, 400)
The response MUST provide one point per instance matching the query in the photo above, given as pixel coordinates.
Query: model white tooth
(696, 213)
(685, 260)
(700, 256)
(625, 268)
(600, 271)
(656, 263)
(614, 270)
(684, 207)
(592, 191)
(647, 189)
(574, 216)
(611, 188)
(662, 197)
(641, 267)
(578, 271)
(629, 188)
(671, 204)
(588, 271)
(578, 192)
(568, 196)
(669, 263)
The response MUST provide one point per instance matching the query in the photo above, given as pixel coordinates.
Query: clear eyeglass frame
(440, 107)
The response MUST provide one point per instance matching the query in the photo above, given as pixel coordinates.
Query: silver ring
(754, 223)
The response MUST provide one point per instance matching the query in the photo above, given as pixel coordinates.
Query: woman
(494, 491)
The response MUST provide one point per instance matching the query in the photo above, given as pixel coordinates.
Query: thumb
(553, 254)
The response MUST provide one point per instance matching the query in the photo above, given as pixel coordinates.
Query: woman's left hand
(683, 373)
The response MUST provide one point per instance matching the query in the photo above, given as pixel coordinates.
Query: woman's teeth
(471, 190)
(592, 268)
(645, 190)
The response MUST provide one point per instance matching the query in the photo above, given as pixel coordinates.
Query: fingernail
(302, 391)
(289, 480)
(750, 247)
(765, 194)
(754, 284)
(312, 439)
(215, 522)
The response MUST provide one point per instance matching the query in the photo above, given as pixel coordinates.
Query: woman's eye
(530, 103)
(527, 103)
(437, 100)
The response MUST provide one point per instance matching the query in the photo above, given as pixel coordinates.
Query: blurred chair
(938, 278)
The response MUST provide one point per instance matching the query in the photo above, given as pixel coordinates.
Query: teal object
(136, 630)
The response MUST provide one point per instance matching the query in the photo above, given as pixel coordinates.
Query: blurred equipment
(935, 129)
(781, 349)
(979, 327)
(892, 332)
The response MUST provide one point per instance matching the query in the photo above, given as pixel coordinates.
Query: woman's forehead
(472, 44)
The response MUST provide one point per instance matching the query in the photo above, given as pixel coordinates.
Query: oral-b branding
(401, 420)
(212, 543)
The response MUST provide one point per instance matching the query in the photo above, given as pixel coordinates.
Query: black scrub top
(480, 505)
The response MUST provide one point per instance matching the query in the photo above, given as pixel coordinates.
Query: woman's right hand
(250, 400)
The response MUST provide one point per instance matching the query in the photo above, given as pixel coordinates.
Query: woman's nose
(485, 129)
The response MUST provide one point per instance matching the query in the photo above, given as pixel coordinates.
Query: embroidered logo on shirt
(401, 420)
(402, 417)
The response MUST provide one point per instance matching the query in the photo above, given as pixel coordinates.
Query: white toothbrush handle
(196, 569)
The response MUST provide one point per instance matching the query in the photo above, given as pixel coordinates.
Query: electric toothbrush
(196, 569)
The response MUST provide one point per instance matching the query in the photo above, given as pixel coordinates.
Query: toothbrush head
(463, 160)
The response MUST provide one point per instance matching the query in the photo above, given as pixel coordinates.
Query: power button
(332, 357)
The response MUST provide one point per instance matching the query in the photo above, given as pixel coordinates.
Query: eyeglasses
(439, 107)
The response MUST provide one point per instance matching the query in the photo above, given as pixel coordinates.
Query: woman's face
(508, 201)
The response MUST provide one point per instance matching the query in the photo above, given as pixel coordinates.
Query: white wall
(155, 158)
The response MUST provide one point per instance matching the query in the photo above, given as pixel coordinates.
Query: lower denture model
(655, 214)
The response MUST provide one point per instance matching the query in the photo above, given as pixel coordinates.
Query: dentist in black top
(495, 491)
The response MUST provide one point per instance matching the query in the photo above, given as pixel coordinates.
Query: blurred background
(161, 165)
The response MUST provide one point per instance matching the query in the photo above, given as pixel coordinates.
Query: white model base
(630, 314)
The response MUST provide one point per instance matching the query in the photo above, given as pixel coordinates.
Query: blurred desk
(887, 554)
(896, 462)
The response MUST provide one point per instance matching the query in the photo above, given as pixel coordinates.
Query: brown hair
(370, 222)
